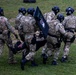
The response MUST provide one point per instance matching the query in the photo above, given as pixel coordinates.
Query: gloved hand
(37, 33)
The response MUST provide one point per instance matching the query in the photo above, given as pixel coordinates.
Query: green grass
(11, 6)
(69, 68)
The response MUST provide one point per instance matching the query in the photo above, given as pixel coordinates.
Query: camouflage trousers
(66, 49)
(32, 47)
(50, 51)
(67, 44)
(8, 42)
(50, 48)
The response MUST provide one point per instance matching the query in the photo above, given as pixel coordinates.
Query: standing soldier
(5, 29)
(52, 15)
(56, 29)
(22, 12)
(19, 19)
(69, 25)
(28, 27)
(48, 17)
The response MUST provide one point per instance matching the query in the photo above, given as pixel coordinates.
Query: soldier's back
(53, 27)
(28, 24)
(18, 19)
(70, 21)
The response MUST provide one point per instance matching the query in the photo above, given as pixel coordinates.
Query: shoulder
(55, 22)
(3, 19)
(58, 23)
(48, 13)
(51, 13)
(66, 17)
(23, 17)
(19, 16)
(70, 17)
(31, 17)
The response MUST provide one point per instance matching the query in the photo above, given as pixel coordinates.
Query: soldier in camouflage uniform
(52, 15)
(28, 27)
(69, 25)
(48, 17)
(56, 29)
(18, 21)
(5, 29)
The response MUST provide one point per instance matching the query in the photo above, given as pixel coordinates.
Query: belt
(52, 35)
(70, 29)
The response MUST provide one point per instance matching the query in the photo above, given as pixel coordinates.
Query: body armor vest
(3, 26)
(28, 24)
(70, 22)
(52, 28)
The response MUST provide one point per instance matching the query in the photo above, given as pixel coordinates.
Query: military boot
(44, 58)
(64, 59)
(23, 61)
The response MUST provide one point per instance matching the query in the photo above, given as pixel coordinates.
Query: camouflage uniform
(54, 37)
(48, 17)
(18, 21)
(28, 26)
(5, 29)
(70, 26)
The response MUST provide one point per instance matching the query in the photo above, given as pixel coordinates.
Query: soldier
(48, 17)
(56, 29)
(22, 12)
(19, 19)
(52, 15)
(69, 25)
(5, 29)
(28, 27)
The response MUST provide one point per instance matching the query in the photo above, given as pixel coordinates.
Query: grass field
(69, 68)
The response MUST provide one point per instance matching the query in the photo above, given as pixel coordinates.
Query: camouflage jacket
(28, 24)
(70, 22)
(5, 27)
(49, 16)
(56, 28)
(18, 22)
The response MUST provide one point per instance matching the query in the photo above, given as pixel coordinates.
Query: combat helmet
(60, 17)
(69, 11)
(30, 10)
(22, 10)
(1, 12)
(56, 9)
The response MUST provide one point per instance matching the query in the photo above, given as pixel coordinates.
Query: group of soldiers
(61, 29)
